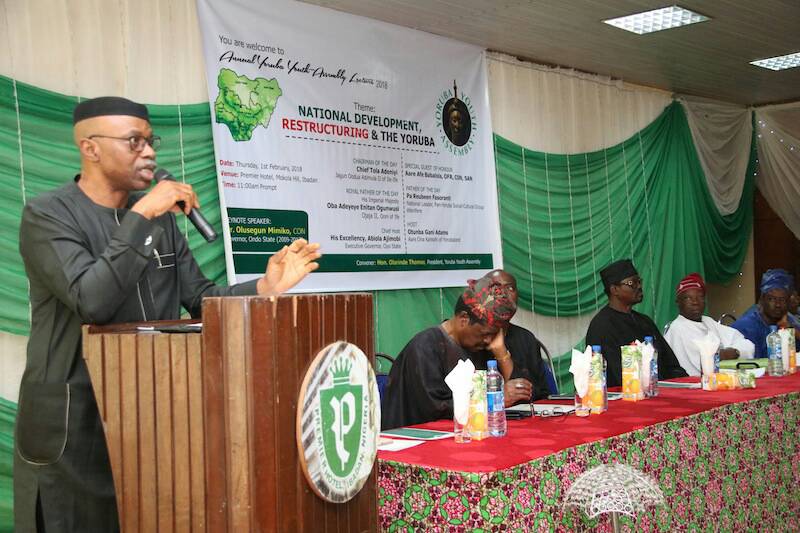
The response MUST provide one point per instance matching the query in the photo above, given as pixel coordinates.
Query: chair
(726, 316)
(549, 371)
(381, 378)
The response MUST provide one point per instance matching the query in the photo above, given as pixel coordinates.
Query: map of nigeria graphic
(244, 104)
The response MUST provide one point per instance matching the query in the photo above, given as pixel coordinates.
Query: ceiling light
(664, 18)
(779, 62)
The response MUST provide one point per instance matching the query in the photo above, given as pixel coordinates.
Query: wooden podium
(201, 427)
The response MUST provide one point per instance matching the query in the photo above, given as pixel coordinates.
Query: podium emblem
(341, 415)
(338, 422)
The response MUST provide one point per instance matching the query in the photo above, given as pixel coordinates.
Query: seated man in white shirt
(691, 324)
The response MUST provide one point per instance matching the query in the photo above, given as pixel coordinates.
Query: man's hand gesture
(287, 267)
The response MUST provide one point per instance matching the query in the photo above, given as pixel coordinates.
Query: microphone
(194, 215)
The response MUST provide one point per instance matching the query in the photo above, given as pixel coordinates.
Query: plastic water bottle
(652, 388)
(495, 400)
(775, 365)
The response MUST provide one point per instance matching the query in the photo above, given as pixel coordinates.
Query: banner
(371, 139)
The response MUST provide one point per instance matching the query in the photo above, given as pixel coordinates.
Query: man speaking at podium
(99, 251)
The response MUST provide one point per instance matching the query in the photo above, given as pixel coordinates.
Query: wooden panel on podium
(201, 428)
(256, 352)
(148, 390)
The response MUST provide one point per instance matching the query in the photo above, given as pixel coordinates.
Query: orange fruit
(477, 422)
(632, 385)
(596, 398)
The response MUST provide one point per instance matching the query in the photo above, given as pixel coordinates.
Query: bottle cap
(596, 348)
(491, 364)
(648, 339)
(773, 328)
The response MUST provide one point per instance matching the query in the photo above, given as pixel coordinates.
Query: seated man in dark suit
(416, 391)
(617, 324)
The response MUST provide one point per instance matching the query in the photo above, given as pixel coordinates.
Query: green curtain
(562, 217)
(565, 217)
(8, 413)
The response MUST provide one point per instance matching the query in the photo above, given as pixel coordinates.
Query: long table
(725, 461)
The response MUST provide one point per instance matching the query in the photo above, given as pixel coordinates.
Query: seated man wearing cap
(691, 325)
(416, 391)
(99, 250)
(617, 324)
(771, 310)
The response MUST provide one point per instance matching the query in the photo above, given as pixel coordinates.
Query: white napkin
(648, 351)
(580, 370)
(460, 382)
(708, 346)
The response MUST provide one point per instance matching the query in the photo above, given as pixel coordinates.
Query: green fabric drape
(565, 217)
(562, 217)
(8, 413)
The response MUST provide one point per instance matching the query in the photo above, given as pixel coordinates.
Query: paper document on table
(416, 433)
(611, 396)
(560, 396)
(196, 327)
(396, 445)
(678, 385)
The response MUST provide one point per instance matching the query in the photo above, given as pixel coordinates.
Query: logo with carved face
(456, 116)
(338, 422)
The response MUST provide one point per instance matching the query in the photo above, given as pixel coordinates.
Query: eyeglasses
(632, 283)
(136, 142)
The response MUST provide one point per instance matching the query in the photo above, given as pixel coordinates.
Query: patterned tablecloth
(726, 461)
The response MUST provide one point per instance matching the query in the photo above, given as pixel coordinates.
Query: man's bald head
(109, 125)
(505, 278)
(502, 276)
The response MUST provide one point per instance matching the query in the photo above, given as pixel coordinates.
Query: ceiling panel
(708, 59)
